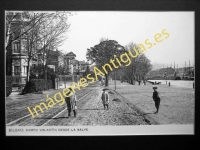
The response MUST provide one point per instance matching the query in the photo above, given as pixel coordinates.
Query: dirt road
(90, 111)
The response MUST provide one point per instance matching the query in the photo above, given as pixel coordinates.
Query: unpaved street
(90, 111)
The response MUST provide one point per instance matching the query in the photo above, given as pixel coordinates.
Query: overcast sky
(88, 27)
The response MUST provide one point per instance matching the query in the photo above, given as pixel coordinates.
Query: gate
(65, 81)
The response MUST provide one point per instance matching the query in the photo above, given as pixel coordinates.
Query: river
(178, 83)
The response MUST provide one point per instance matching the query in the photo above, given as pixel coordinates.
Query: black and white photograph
(99, 72)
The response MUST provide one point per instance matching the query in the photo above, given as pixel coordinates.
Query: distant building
(69, 62)
(171, 73)
(56, 60)
(79, 67)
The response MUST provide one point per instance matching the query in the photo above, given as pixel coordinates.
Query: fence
(65, 80)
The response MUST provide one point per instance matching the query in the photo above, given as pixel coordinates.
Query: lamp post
(65, 78)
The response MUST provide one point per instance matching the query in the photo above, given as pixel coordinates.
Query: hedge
(36, 85)
(8, 85)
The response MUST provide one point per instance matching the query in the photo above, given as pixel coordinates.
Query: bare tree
(53, 33)
(140, 65)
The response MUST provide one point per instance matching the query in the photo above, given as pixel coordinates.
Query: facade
(70, 62)
(17, 64)
(56, 60)
(79, 67)
(18, 51)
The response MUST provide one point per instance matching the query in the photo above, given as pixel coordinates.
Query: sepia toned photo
(99, 72)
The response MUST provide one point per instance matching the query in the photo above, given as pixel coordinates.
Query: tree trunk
(8, 60)
(106, 82)
(131, 80)
(45, 76)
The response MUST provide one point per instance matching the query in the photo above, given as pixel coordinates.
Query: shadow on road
(52, 118)
(139, 114)
(90, 109)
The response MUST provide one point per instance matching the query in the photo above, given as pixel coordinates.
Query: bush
(178, 78)
(37, 85)
(8, 85)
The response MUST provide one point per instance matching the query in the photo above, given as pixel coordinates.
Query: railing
(66, 80)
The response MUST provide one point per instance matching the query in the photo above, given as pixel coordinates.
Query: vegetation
(8, 85)
(101, 53)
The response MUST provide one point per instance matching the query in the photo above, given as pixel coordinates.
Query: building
(171, 73)
(56, 61)
(70, 62)
(17, 66)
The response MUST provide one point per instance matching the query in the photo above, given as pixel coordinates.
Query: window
(17, 70)
(15, 47)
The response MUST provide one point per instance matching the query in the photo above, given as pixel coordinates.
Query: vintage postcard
(99, 73)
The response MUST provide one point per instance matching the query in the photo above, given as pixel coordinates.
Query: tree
(101, 53)
(140, 65)
(37, 33)
(53, 33)
(18, 26)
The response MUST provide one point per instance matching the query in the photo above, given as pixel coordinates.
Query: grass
(176, 107)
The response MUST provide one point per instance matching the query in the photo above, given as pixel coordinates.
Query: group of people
(72, 101)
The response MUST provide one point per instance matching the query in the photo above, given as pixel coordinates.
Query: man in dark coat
(156, 98)
(71, 103)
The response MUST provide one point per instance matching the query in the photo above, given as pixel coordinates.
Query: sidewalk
(176, 106)
(15, 95)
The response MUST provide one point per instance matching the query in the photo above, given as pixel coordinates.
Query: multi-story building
(18, 54)
(56, 60)
(18, 50)
(79, 67)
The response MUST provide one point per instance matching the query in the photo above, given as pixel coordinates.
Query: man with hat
(71, 103)
(105, 98)
(156, 98)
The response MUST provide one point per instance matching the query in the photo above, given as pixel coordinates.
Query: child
(105, 98)
(71, 103)
(156, 98)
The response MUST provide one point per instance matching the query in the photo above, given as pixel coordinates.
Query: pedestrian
(139, 82)
(71, 103)
(156, 99)
(105, 98)
(169, 83)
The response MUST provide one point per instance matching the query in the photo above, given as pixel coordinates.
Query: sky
(88, 27)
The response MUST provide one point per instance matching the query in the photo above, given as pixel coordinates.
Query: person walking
(105, 99)
(156, 98)
(71, 103)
